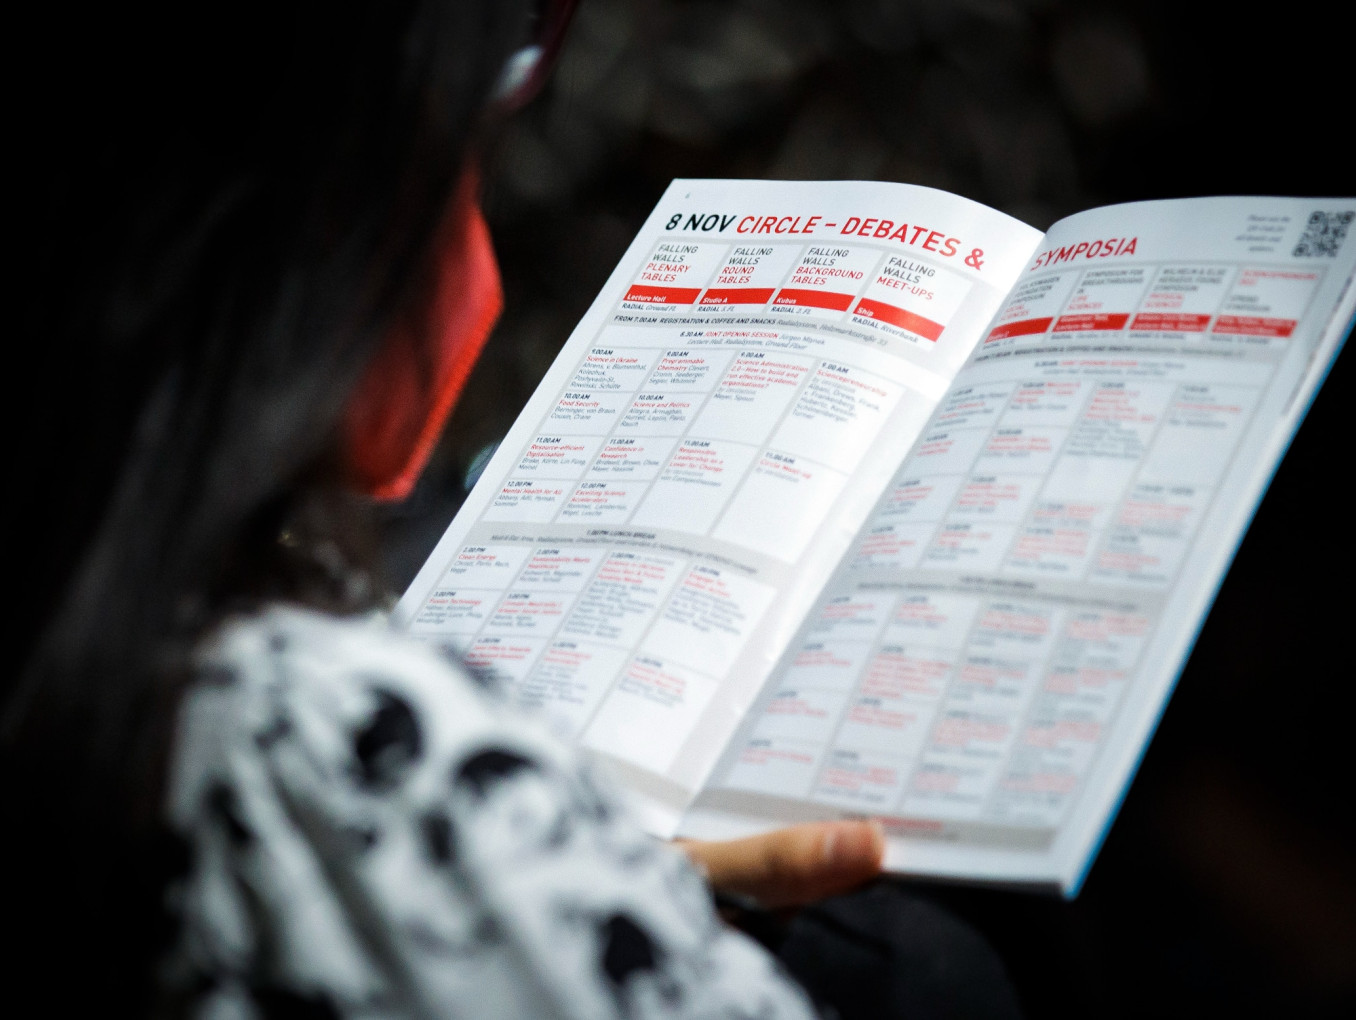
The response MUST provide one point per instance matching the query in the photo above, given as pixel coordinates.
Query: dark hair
(223, 214)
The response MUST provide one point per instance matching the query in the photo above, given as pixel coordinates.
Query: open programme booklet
(855, 499)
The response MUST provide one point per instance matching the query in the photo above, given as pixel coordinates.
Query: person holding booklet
(256, 280)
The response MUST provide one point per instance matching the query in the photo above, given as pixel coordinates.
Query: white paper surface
(852, 499)
(654, 528)
(992, 655)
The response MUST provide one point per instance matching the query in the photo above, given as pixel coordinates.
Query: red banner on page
(1086, 323)
(1171, 322)
(1026, 327)
(663, 295)
(898, 317)
(1252, 325)
(736, 296)
(813, 299)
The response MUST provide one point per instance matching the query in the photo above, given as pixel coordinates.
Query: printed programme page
(989, 661)
(650, 534)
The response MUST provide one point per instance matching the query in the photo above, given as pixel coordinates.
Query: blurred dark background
(1228, 882)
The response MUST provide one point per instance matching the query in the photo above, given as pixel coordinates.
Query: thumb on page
(793, 866)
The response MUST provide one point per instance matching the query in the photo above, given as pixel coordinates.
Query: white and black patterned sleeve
(372, 836)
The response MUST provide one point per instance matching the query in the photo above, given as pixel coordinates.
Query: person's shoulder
(300, 652)
(286, 685)
(283, 641)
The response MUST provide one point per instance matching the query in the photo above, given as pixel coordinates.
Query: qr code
(1324, 234)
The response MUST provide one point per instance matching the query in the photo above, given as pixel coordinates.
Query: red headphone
(402, 402)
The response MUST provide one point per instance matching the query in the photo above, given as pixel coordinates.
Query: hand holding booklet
(852, 499)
